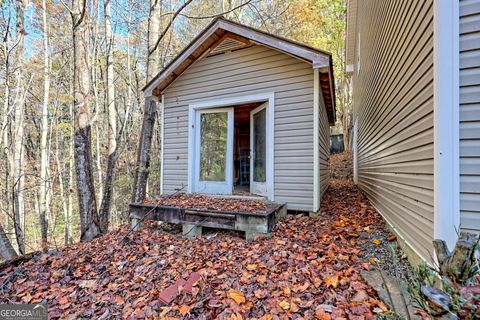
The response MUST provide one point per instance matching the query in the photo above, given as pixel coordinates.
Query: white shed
(246, 112)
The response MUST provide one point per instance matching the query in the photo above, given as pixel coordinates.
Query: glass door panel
(214, 151)
(258, 140)
(213, 146)
(259, 146)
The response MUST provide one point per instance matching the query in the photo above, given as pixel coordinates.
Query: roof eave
(350, 38)
(317, 58)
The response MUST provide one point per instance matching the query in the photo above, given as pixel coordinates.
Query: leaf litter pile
(203, 202)
(341, 165)
(309, 269)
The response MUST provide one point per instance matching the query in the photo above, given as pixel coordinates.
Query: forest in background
(66, 63)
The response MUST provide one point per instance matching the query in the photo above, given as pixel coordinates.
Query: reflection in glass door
(258, 142)
(214, 143)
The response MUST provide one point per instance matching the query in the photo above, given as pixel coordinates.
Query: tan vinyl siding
(324, 147)
(470, 115)
(393, 97)
(249, 71)
(351, 31)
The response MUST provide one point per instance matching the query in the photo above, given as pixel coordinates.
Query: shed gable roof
(225, 35)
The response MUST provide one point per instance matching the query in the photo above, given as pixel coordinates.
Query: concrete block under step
(191, 230)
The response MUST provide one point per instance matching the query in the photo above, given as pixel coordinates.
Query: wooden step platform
(193, 220)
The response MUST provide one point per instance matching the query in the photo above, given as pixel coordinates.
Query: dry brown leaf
(332, 280)
(184, 310)
(284, 305)
(164, 312)
(322, 315)
(260, 294)
(391, 238)
(251, 267)
(63, 300)
(87, 283)
(236, 296)
(294, 307)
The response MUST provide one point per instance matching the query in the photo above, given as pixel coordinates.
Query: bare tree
(71, 165)
(19, 114)
(87, 205)
(44, 159)
(149, 115)
(5, 136)
(112, 123)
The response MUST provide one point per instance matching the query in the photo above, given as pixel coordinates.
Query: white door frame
(257, 187)
(215, 187)
(222, 101)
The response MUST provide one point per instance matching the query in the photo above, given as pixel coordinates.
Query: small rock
(437, 300)
(395, 295)
(448, 316)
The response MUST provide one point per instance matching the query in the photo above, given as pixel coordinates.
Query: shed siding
(249, 71)
(324, 147)
(470, 114)
(393, 98)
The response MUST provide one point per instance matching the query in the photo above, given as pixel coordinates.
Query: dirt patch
(383, 250)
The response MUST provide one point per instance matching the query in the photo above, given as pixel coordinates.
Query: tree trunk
(42, 190)
(112, 125)
(18, 148)
(5, 136)
(149, 114)
(6, 249)
(71, 155)
(95, 63)
(143, 159)
(61, 181)
(6, 96)
(87, 206)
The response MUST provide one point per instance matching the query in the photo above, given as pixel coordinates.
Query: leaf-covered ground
(309, 269)
(204, 202)
(341, 165)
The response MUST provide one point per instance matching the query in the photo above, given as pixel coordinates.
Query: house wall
(249, 71)
(470, 115)
(393, 100)
(324, 147)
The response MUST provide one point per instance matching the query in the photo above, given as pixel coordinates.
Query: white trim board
(446, 121)
(316, 140)
(162, 142)
(259, 188)
(228, 102)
